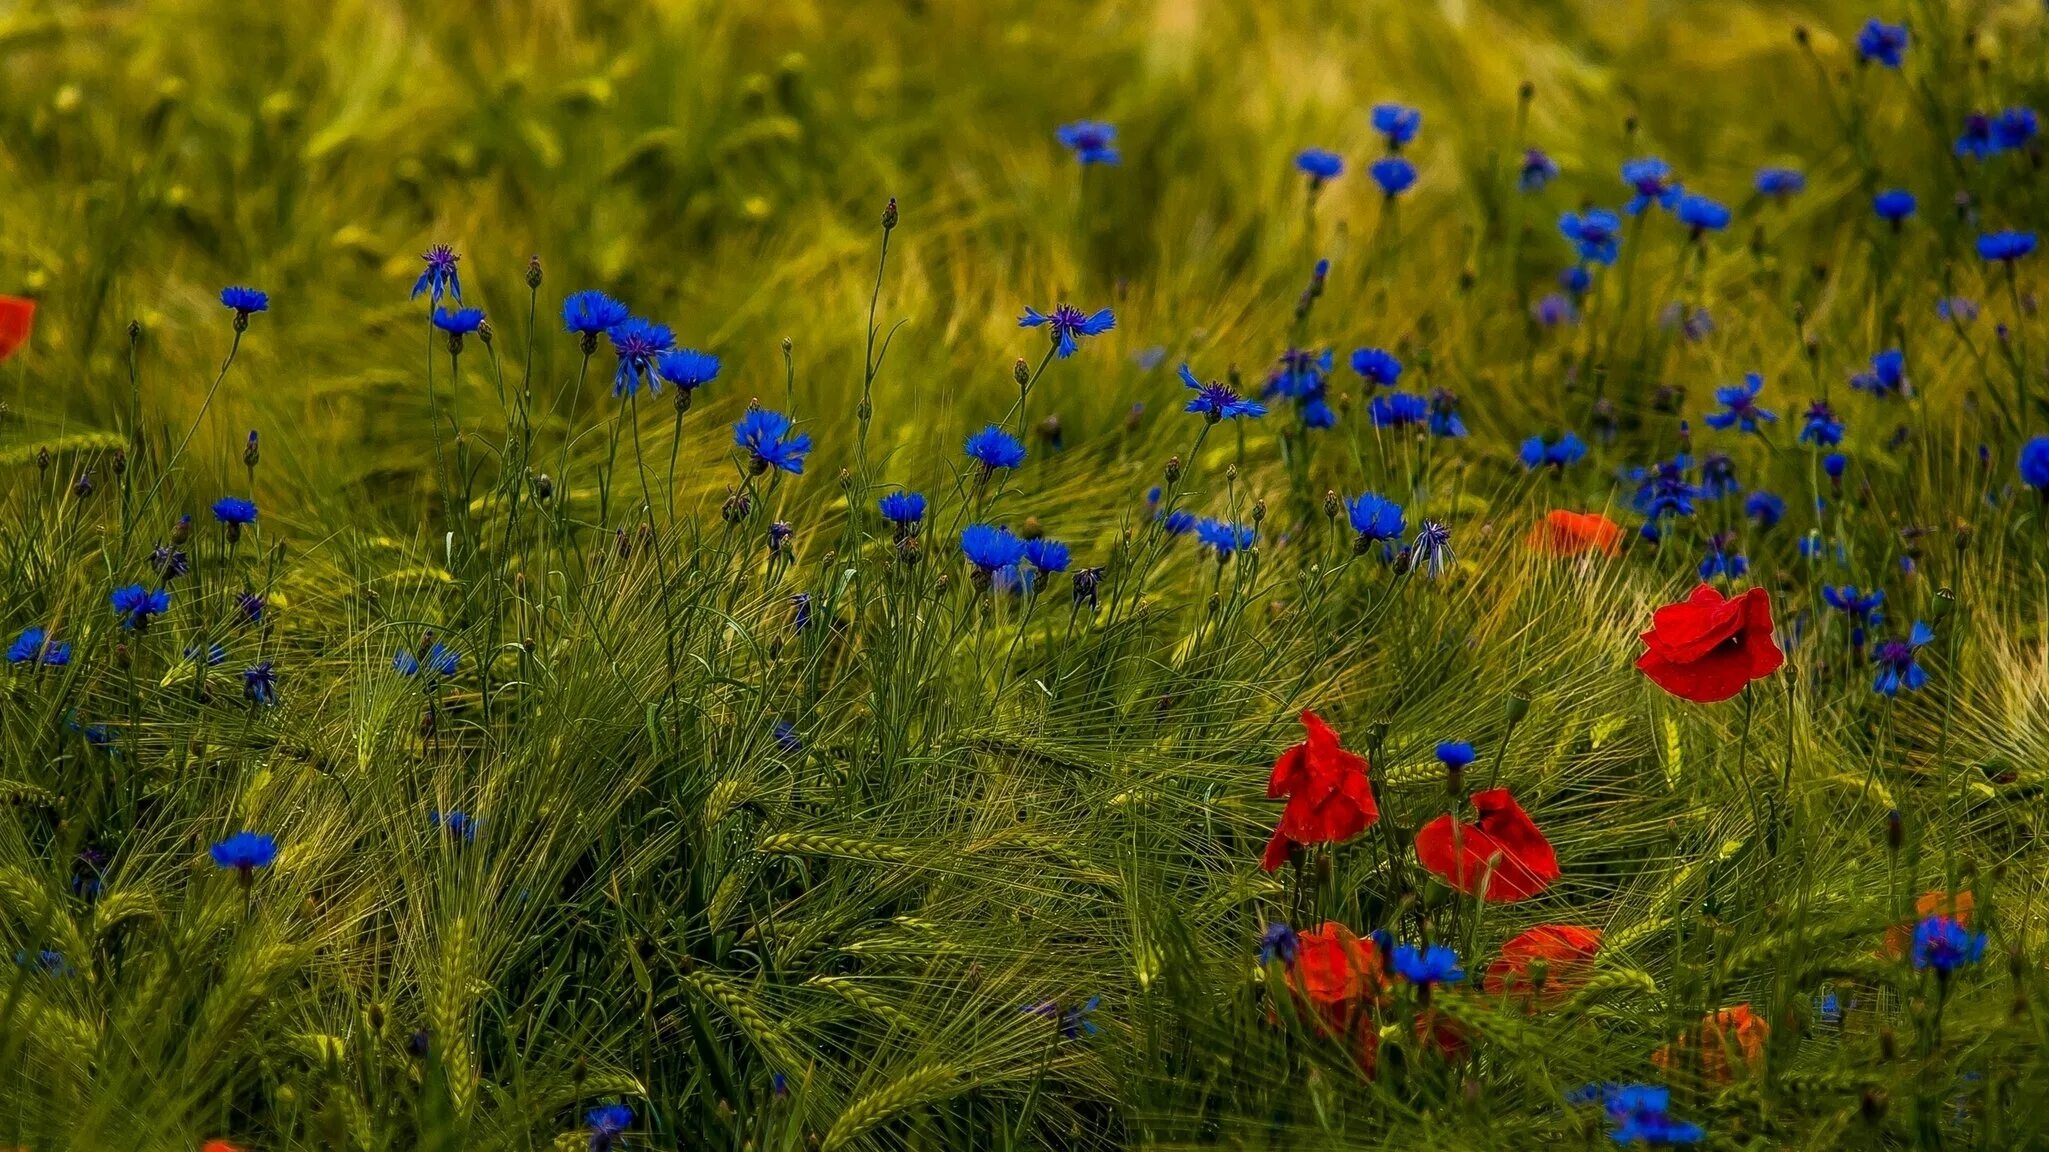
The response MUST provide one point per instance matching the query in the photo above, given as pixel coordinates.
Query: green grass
(986, 802)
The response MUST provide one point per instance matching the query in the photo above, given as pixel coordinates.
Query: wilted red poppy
(1501, 843)
(1341, 979)
(1958, 906)
(1329, 797)
(1706, 648)
(1563, 533)
(1732, 1034)
(1566, 951)
(17, 316)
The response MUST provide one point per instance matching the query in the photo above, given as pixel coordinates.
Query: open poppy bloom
(1564, 952)
(1706, 648)
(1957, 906)
(17, 317)
(1339, 977)
(1727, 1041)
(1329, 797)
(1563, 533)
(218, 1146)
(1500, 846)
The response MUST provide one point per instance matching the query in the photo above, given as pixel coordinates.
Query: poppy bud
(1021, 372)
(1895, 831)
(1517, 706)
(1173, 469)
(1331, 504)
(533, 272)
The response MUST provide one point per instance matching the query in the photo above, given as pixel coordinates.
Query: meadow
(647, 574)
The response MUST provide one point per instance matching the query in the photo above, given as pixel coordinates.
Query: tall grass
(928, 860)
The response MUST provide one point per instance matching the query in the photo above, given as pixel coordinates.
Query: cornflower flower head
(1046, 555)
(903, 509)
(1740, 407)
(1223, 537)
(2034, 465)
(1431, 549)
(135, 604)
(1718, 476)
(639, 344)
(1398, 123)
(1375, 519)
(1641, 1114)
(687, 368)
(1882, 42)
(591, 313)
(1434, 964)
(2005, 247)
(1650, 178)
(1066, 325)
(1893, 205)
(1398, 410)
(1444, 418)
(1301, 374)
(1942, 944)
(2014, 127)
(1537, 453)
(1320, 164)
(34, 646)
(1820, 426)
(1780, 183)
(1887, 375)
(259, 682)
(767, 437)
(1898, 661)
(1664, 489)
(244, 303)
(1091, 141)
(1278, 945)
(608, 1124)
(1455, 755)
(234, 511)
(458, 321)
(1720, 562)
(1538, 170)
(1596, 234)
(1217, 401)
(1377, 366)
(989, 547)
(1701, 214)
(1766, 508)
(1394, 174)
(994, 448)
(245, 852)
(439, 277)
(454, 822)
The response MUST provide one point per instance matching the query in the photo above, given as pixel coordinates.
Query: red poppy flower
(1502, 844)
(1567, 951)
(1329, 797)
(1563, 533)
(17, 316)
(1340, 977)
(1732, 1034)
(1900, 937)
(1706, 648)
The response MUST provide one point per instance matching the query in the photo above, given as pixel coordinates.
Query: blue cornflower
(212, 657)
(135, 604)
(1718, 476)
(1739, 406)
(1596, 233)
(1091, 141)
(455, 822)
(1455, 754)
(168, 562)
(1863, 608)
(1046, 555)
(1320, 164)
(244, 301)
(902, 509)
(1833, 464)
(1278, 944)
(1179, 522)
(1394, 175)
(1431, 550)
(687, 368)
(1887, 377)
(607, 1125)
(1399, 123)
(259, 682)
(1701, 214)
(439, 275)
(1576, 280)
(638, 344)
(1820, 426)
(989, 547)
(1720, 562)
(1898, 661)
(1780, 183)
(440, 661)
(1536, 453)
(1957, 309)
(1074, 1022)
(1435, 964)
(460, 321)
(2034, 465)
(2014, 127)
(1316, 412)
(1663, 489)
(1444, 419)
(1067, 322)
(591, 312)
(800, 611)
(786, 738)
(1015, 579)
(1554, 309)
(1216, 401)
(1766, 508)
(994, 448)
(1537, 171)
(1894, 205)
(2005, 246)
(1398, 410)
(33, 645)
(1301, 374)
(1944, 944)
(1640, 1114)
(1375, 518)
(1882, 42)
(1976, 139)
(234, 510)
(1377, 366)
(1651, 179)
(244, 852)
(1223, 537)
(766, 435)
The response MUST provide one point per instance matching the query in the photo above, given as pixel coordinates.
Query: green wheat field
(1566, 665)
